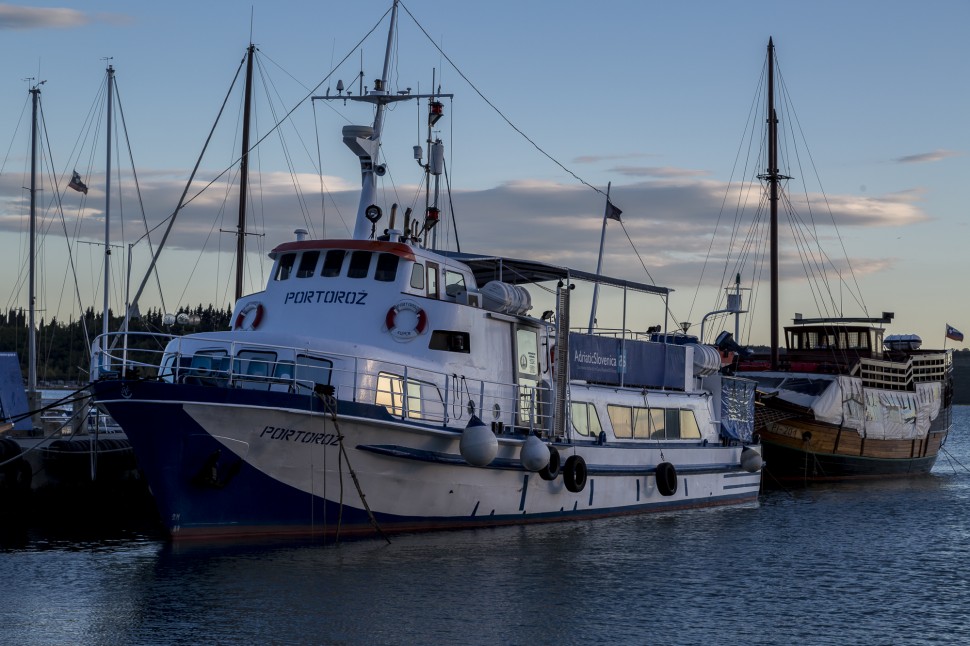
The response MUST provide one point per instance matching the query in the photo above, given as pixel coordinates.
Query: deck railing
(406, 392)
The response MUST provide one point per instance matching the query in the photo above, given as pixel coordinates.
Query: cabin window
(417, 276)
(285, 268)
(653, 423)
(207, 366)
(308, 264)
(312, 371)
(641, 423)
(672, 419)
(253, 368)
(422, 399)
(585, 420)
(432, 282)
(450, 341)
(621, 417)
(657, 419)
(166, 372)
(688, 426)
(332, 263)
(386, 267)
(454, 283)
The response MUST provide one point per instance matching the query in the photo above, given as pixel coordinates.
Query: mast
(599, 262)
(773, 176)
(365, 141)
(367, 148)
(33, 399)
(244, 174)
(107, 205)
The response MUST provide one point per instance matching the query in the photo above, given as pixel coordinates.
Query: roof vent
(300, 235)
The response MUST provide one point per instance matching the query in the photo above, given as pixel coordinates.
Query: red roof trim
(396, 248)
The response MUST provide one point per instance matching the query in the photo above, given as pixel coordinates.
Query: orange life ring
(244, 312)
(406, 332)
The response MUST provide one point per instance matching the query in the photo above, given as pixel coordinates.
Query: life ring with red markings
(244, 322)
(406, 321)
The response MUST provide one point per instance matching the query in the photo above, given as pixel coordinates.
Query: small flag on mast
(953, 334)
(612, 212)
(77, 184)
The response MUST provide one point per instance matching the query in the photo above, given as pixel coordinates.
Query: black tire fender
(666, 479)
(575, 473)
(551, 470)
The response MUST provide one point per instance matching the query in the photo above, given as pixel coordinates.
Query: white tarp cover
(879, 414)
(841, 403)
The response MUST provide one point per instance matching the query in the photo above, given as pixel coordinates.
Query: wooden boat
(841, 400)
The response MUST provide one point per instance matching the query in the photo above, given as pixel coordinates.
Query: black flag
(77, 184)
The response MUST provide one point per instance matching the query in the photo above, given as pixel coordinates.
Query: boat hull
(224, 462)
(804, 451)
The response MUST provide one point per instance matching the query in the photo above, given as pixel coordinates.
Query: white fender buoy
(478, 443)
(751, 460)
(534, 455)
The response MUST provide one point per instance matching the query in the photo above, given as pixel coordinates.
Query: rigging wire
(70, 255)
(141, 201)
(183, 202)
(496, 109)
(815, 261)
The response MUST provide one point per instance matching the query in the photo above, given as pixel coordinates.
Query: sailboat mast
(32, 399)
(107, 204)
(773, 177)
(244, 174)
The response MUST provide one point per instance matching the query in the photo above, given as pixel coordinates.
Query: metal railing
(406, 392)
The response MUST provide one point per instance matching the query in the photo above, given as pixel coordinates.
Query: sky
(554, 101)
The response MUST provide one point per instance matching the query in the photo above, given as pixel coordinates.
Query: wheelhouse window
(359, 264)
(454, 283)
(332, 263)
(417, 276)
(409, 398)
(386, 267)
(432, 282)
(308, 264)
(285, 266)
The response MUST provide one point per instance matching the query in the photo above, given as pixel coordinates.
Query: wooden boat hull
(803, 451)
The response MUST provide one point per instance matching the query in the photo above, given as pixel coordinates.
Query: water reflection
(878, 562)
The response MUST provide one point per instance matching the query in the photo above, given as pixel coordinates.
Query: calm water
(881, 564)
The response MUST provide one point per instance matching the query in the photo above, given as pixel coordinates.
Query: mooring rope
(330, 404)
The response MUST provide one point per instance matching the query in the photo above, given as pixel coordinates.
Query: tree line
(63, 349)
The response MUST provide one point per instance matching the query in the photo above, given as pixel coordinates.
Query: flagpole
(599, 262)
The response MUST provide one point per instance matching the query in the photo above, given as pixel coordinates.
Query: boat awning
(514, 271)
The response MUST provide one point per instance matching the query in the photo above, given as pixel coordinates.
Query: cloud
(657, 171)
(16, 17)
(593, 159)
(19, 17)
(674, 225)
(923, 158)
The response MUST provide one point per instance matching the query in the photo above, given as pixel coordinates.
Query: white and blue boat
(380, 385)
